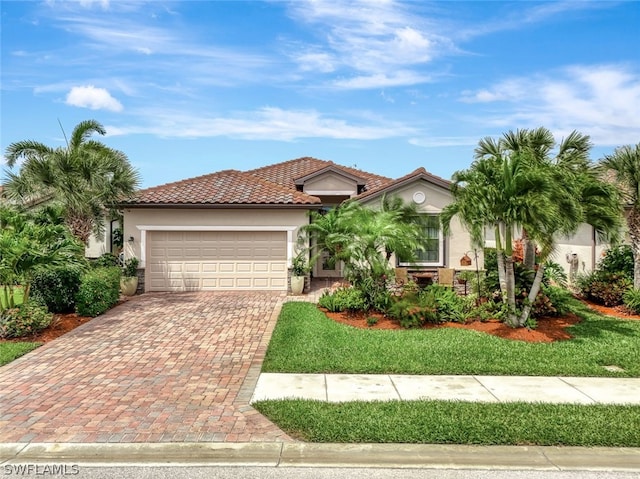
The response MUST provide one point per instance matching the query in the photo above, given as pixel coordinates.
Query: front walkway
(382, 387)
(158, 368)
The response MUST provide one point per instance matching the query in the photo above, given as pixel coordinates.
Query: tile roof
(273, 184)
(222, 188)
(287, 172)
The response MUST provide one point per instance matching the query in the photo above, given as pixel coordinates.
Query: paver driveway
(158, 368)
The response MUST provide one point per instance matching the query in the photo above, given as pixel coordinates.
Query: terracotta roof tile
(274, 184)
(287, 172)
(224, 187)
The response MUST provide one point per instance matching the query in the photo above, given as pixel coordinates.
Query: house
(237, 230)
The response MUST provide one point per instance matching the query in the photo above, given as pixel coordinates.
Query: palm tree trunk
(529, 250)
(512, 318)
(502, 279)
(633, 222)
(533, 293)
(80, 225)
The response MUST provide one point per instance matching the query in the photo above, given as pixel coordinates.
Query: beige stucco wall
(458, 242)
(330, 184)
(139, 220)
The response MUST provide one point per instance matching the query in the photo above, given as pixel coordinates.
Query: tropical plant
(364, 239)
(299, 265)
(624, 163)
(130, 267)
(27, 247)
(515, 184)
(85, 177)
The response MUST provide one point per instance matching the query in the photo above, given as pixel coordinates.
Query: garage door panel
(210, 260)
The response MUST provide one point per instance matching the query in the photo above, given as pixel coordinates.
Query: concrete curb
(426, 456)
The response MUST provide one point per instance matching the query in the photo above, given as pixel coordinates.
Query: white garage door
(216, 260)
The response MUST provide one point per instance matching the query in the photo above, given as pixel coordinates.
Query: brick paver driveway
(158, 368)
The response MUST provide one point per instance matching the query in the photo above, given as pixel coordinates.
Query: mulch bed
(549, 329)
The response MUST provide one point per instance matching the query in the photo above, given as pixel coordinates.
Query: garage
(216, 260)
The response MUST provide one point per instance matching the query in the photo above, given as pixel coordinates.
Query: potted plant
(299, 270)
(129, 279)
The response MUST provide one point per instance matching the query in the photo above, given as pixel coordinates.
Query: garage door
(216, 260)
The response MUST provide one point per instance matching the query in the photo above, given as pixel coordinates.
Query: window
(433, 244)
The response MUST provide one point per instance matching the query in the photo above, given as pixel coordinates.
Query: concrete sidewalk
(278, 454)
(382, 387)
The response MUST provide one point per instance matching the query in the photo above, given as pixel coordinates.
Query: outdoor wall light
(130, 240)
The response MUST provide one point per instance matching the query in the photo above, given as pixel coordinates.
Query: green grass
(442, 422)
(306, 341)
(11, 351)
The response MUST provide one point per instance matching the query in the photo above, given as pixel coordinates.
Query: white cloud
(382, 80)
(601, 100)
(319, 62)
(267, 123)
(94, 98)
(369, 41)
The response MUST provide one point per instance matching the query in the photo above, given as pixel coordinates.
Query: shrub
(631, 300)
(344, 299)
(604, 288)
(448, 305)
(617, 259)
(99, 291)
(25, 320)
(57, 288)
(106, 260)
(410, 314)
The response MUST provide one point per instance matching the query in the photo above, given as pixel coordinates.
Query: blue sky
(192, 87)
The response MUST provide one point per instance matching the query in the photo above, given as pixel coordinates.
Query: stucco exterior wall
(431, 198)
(139, 220)
(330, 184)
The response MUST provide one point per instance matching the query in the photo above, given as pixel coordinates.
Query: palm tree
(516, 183)
(625, 164)
(502, 192)
(362, 237)
(85, 177)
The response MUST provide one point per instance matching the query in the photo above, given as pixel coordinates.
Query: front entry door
(323, 267)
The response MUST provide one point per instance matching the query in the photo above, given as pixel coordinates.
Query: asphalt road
(244, 472)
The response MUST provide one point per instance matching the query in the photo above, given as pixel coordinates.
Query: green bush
(99, 291)
(631, 300)
(344, 299)
(57, 288)
(449, 306)
(617, 259)
(105, 261)
(410, 314)
(603, 287)
(25, 320)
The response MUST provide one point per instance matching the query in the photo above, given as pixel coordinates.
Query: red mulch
(61, 324)
(549, 329)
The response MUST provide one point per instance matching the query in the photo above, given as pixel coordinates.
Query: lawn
(306, 341)
(445, 422)
(11, 351)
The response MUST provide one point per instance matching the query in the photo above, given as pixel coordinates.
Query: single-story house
(235, 230)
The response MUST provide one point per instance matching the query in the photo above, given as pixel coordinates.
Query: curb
(274, 454)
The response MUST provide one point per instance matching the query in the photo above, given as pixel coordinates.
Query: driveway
(168, 367)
